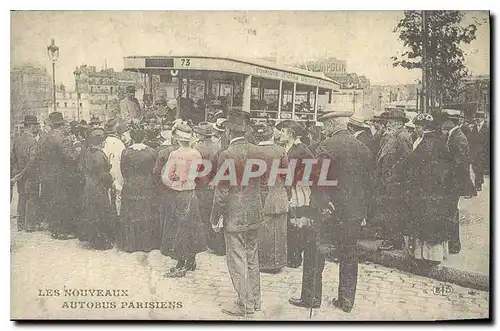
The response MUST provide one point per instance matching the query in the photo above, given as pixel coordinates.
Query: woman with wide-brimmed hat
(98, 218)
(184, 237)
(300, 209)
(138, 230)
(427, 234)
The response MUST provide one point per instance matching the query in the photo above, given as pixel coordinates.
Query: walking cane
(294, 214)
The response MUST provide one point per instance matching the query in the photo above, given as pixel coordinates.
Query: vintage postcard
(250, 165)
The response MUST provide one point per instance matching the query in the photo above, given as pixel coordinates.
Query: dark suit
(57, 161)
(209, 150)
(351, 164)
(24, 151)
(272, 236)
(482, 156)
(366, 138)
(458, 181)
(241, 208)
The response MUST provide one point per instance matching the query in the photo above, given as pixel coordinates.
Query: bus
(267, 90)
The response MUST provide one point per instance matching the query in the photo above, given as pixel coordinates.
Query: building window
(111, 90)
(81, 104)
(57, 104)
(65, 105)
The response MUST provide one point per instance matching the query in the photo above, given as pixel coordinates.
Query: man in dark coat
(273, 233)
(56, 158)
(390, 213)
(24, 150)
(237, 208)
(341, 210)
(481, 164)
(458, 181)
(209, 150)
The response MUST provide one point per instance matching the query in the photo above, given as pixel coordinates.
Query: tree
(445, 59)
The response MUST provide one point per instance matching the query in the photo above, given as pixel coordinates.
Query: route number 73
(185, 62)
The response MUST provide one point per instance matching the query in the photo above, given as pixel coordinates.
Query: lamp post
(77, 74)
(53, 53)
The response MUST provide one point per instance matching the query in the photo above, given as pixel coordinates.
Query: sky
(365, 39)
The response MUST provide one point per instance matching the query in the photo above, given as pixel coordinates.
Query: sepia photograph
(250, 165)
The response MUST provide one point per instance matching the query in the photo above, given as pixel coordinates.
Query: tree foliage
(445, 58)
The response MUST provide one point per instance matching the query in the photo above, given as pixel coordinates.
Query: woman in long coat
(97, 225)
(273, 232)
(138, 229)
(427, 226)
(300, 211)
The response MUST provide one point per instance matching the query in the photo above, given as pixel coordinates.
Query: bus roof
(257, 67)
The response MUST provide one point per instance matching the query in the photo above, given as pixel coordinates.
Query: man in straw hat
(209, 150)
(237, 209)
(458, 182)
(390, 179)
(358, 127)
(57, 159)
(343, 208)
(24, 150)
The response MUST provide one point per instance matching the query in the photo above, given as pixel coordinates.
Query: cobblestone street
(40, 263)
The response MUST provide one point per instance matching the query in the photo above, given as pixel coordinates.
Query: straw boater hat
(182, 132)
(452, 114)
(205, 129)
(358, 122)
(334, 114)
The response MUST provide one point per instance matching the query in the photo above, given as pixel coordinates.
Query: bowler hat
(380, 118)
(110, 126)
(56, 118)
(296, 128)
(130, 89)
(30, 119)
(238, 120)
(333, 114)
(205, 129)
(397, 114)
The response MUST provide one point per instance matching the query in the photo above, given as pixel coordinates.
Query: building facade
(30, 93)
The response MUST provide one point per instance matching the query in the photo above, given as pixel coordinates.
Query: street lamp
(77, 74)
(53, 53)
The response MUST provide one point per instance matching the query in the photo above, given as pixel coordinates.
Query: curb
(398, 260)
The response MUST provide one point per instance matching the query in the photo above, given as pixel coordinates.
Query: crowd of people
(113, 185)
